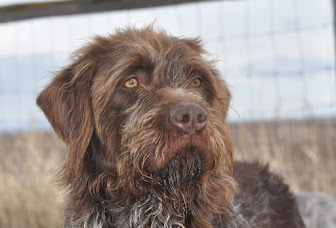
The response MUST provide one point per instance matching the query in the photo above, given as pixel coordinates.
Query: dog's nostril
(185, 119)
(201, 118)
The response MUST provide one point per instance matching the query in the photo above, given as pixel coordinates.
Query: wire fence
(277, 56)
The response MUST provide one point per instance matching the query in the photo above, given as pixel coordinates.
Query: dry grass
(27, 195)
(304, 153)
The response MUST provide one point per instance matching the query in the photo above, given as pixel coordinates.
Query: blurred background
(278, 56)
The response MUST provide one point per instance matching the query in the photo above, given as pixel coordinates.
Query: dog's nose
(189, 117)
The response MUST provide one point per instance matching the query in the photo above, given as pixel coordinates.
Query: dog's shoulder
(264, 199)
(252, 174)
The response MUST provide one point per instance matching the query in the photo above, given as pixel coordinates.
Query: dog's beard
(175, 181)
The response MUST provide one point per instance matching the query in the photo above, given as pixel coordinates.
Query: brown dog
(143, 115)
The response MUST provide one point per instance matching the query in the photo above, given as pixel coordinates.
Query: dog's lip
(181, 142)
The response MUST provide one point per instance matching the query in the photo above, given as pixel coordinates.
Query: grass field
(303, 152)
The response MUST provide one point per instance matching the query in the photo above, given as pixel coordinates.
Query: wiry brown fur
(126, 164)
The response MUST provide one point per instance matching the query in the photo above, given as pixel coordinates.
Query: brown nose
(188, 117)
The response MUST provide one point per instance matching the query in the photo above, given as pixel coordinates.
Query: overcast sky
(277, 55)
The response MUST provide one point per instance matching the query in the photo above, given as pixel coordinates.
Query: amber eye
(196, 83)
(131, 83)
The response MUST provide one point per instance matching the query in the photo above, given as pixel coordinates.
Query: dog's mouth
(183, 146)
(183, 165)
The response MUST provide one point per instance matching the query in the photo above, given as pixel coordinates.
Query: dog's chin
(181, 172)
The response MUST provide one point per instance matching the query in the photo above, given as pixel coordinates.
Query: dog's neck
(151, 212)
(146, 212)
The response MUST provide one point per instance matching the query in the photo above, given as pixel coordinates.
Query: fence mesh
(277, 56)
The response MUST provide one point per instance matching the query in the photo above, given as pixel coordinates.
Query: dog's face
(141, 106)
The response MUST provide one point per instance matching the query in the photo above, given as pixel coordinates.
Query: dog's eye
(196, 83)
(131, 83)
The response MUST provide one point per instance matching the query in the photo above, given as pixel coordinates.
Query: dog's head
(141, 106)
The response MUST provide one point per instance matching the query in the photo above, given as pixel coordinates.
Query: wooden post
(334, 23)
(71, 7)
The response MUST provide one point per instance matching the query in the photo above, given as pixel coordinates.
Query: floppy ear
(66, 102)
(222, 93)
(222, 102)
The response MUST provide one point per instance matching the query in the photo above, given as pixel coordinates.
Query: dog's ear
(221, 93)
(222, 103)
(66, 102)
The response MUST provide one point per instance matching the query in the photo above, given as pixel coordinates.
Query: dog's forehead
(161, 57)
(160, 49)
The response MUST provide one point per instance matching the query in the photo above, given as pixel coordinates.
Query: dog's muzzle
(188, 120)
